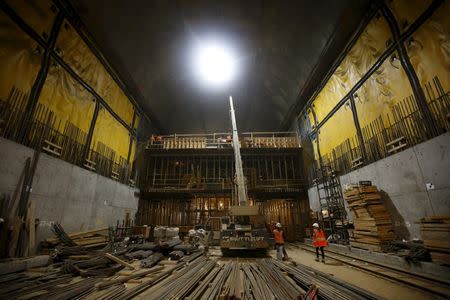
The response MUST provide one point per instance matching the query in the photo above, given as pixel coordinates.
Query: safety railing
(224, 140)
(59, 139)
(175, 184)
(404, 127)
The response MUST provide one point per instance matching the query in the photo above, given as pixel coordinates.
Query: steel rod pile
(151, 260)
(215, 287)
(180, 284)
(328, 287)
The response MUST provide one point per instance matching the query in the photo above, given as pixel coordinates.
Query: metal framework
(417, 118)
(185, 186)
(23, 122)
(332, 209)
(51, 54)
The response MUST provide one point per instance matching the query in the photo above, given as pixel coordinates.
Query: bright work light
(215, 64)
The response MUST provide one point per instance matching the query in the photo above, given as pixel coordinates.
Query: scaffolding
(185, 186)
(332, 213)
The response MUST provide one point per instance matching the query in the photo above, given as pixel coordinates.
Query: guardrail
(224, 140)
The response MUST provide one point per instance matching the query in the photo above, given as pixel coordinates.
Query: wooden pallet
(396, 145)
(51, 148)
(372, 221)
(436, 237)
(366, 246)
(91, 165)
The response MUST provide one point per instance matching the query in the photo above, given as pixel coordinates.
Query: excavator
(243, 228)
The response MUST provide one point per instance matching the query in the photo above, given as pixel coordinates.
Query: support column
(131, 136)
(317, 135)
(88, 142)
(419, 95)
(41, 77)
(358, 128)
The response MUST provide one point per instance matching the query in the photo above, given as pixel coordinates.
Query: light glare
(215, 65)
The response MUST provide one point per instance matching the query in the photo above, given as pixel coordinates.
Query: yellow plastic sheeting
(133, 151)
(67, 98)
(136, 121)
(77, 54)
(367, 49)
(316, 153)
(36, 13)
(334, 132)
(407, 11)
(112, 134)
(19, 62)
(429, 49)
(385, 88)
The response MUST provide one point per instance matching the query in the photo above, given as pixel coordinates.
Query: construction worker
(279, 242)
(319, 241)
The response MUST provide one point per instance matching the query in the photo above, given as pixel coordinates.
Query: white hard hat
(278, 225)
(316, 225)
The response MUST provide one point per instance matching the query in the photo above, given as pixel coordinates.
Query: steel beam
(90, 134)
(43, 71)
(77, 24)
(295, 109)
(131, 133)
(419, 95)
(407, 34)
(358, 128)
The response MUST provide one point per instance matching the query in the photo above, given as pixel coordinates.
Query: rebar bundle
(62, 235)
(151, 260)
(328, 287)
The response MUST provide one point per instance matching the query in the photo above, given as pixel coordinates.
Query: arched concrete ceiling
(279, 43)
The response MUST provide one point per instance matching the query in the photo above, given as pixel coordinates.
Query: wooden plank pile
(436, 237)
(89, 238)
(371, 219)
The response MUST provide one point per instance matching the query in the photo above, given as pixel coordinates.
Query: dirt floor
(379, 286)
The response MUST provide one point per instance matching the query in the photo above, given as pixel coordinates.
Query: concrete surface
(391, 260)
(381, 287)
(402, 178)
(77, 198)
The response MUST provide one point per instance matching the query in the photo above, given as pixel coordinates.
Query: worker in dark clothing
(319, 241)
(279, 242)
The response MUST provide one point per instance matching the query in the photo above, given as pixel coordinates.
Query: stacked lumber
(371, 219)
(436, 237)
(89, 238)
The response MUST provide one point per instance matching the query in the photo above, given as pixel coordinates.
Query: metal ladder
(332, 209)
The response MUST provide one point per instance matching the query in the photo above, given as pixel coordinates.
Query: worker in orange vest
(319, 241)
(279, 242)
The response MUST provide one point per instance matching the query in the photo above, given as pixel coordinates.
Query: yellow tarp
(367, 49)
(136, 121)
(78, 55)
(429, 49)
(386, 87)
(339, 128)
(19, 62)
(112, 134)
(133, 151)
(67, 98)
(36, 13)
(407, 11)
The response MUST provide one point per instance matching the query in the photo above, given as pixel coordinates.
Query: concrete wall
(402, 180)
(77, 198)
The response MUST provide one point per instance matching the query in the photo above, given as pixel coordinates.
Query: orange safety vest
(278, 236)
(319, 239)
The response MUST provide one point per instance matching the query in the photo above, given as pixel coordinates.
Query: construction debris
(89, 238)
(151, 260)
(123, 270)
(436, 237)
(372, 221)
